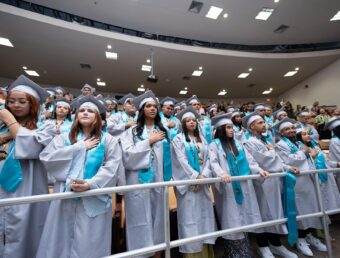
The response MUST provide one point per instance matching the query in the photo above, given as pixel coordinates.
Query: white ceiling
(55, 51)
(308, 19)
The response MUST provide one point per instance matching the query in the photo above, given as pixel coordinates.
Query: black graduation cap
(26, 85)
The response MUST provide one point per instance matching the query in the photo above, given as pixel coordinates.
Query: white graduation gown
(144, 208)
(334, 156)
(69, 231)
(268, 191)
(195, 212)
(305, 191)
(229, 212)
(21, 225)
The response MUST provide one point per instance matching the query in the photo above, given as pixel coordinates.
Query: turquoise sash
(93, 205)
(319, 161)
(292, 146)
(127, 118)
(238, 166)
(11, 173)
(172, 131)
(147, 175)
(288, 199)
(66, 126)
(192, 154)
(207, 128)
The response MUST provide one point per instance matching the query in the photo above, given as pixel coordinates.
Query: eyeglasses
(20, 102)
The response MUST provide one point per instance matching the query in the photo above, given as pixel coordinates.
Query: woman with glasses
(21, 172)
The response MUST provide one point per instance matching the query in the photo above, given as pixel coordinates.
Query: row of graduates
(86, 156)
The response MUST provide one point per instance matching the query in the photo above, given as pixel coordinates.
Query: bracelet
(12, 124)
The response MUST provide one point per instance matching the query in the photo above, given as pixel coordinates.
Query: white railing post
(166, 222)
(324, 217)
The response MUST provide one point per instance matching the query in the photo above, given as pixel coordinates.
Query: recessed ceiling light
(148, 60)
(24, 67)
(243, 75)
(250, 69)
(336, 17)
(266, 92)
(32, 73)
(146, 68)
(142, 86)
(200, 68)
(271, 89)
(276, 1)
(101, 83)
(264, 14)
(222, 93)
(290, 73)
(225, 15)
(197, 73)
(111, 55)
(183, 92)
(141, 89)
(98, 79)
(297, 69)
(109, 46)
(5, 42)
(186, 88)
(214, 12)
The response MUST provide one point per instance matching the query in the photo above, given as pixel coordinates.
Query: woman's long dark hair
(336, 131)
(239, 125)
(186, 134)
(228, 144)
(299, 138)
(141, 122)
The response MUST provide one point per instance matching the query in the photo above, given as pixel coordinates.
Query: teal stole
(66, 126)
(172, 131)
(94, 158)
(319, 161)
(238, 166)
(207, 128)
(288, 197)
(147, 175)
(127, 118)
(192, 154)
(11, 173)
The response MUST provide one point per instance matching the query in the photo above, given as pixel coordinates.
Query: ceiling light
(336, 17)
(146, 68)
(264, 14)
(186, 88)
(214, 12)
(276, 1)
(5, 42)
(297, 69)
(142, 86)
(197, 73)
(250, 69)
(32, 73)
(24, 67)
(266, 92)
(243, 75)
(141, 89)
(98, 80)
(290, 73)
(111, 55)
(200, 68)
(222, 93)
(271, 89)
(101, 83)
(109, 46)
(225, 15)
(148, 60)
(183, 92)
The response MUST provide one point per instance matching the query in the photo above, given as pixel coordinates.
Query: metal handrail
(167, 245)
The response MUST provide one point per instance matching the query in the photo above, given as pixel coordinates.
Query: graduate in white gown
(236, 203)
(305, 192)
(334, 147)
(83, 159)
(146, 150)
(21, 172)
(195, 212)
(268, 192)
